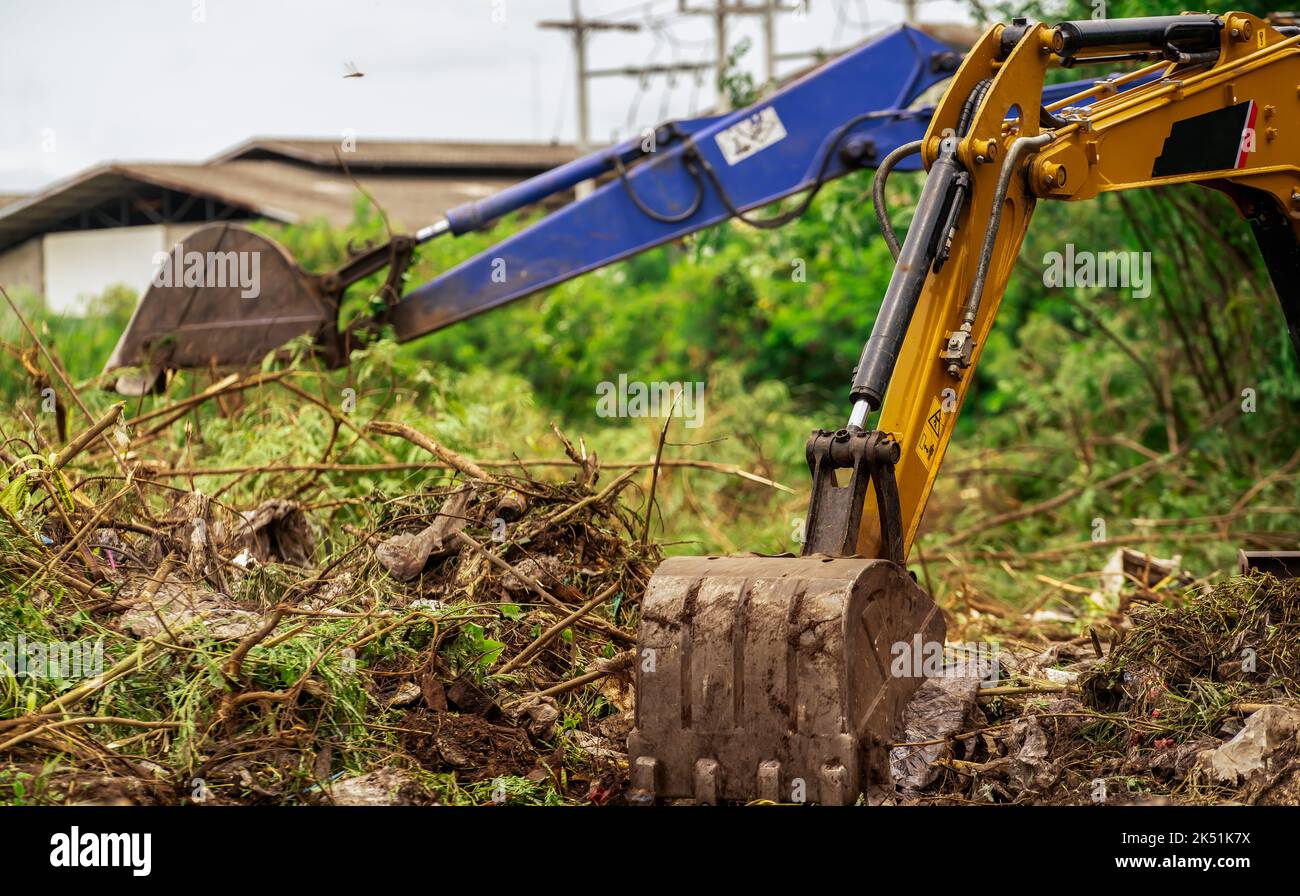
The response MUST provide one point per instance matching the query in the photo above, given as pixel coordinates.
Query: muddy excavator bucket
(770, 677)
(224, 296)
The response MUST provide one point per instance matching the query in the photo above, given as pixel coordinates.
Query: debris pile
(463, 632)
(471, 644)
(1194, 699)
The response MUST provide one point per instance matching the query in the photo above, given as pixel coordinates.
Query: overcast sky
(88, 81)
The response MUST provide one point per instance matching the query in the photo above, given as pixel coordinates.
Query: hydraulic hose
(1018, 148)
(887, 165)
(878, 191)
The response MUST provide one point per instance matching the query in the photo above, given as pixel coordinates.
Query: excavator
(769, 677)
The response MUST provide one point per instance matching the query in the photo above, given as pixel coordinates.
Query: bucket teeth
(769, 781)
(769, 677)
(645, 774)
(707, 788)
(835, 785)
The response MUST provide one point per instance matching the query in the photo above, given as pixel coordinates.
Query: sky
(84, 82)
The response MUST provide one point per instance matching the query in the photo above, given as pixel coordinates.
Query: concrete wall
(22, 267)
(70, 267)
(80, 264)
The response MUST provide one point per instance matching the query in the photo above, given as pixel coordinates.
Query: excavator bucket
(224, 296)
(772, 677)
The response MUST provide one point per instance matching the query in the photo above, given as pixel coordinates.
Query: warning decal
(749, 135)
(927, 444)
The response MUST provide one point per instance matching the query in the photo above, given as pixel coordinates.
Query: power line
(579, 28)
(559, 111)
(645, 8)
(657, 22)
(721, 9)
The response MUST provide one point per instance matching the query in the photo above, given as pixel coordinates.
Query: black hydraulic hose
(689, 161)
(1047, 120)
(972, 103)
(695, 163)
(878, 192)
(786, 217)
(887, 165)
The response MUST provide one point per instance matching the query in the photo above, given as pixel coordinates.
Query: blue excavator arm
(684, 176)
(854, 112)
(845, 115)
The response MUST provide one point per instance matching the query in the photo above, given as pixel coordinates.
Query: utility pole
(720, 39)
(768, 9)
(578, 28)
(769, 40)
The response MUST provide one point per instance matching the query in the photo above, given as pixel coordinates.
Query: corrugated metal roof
(41, 211)
(961, 35)
(283, 189)
(432, 154)
(290, 193)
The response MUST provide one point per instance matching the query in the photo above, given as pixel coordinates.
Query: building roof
(299, 180)
(292, 193)
(404, 154)
(962, 35)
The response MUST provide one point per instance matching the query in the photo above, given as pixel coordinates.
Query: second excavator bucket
(772, 677)
(223, 296)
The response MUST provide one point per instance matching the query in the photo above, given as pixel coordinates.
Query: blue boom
(687, 175)
(854, 112)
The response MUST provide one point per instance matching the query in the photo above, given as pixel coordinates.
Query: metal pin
(861, 410)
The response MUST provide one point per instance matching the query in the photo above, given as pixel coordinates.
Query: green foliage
(83, 343)
(736, 83)
(474, 650)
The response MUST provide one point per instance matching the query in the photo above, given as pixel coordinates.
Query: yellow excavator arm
(786, 678)
(1226, 115)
